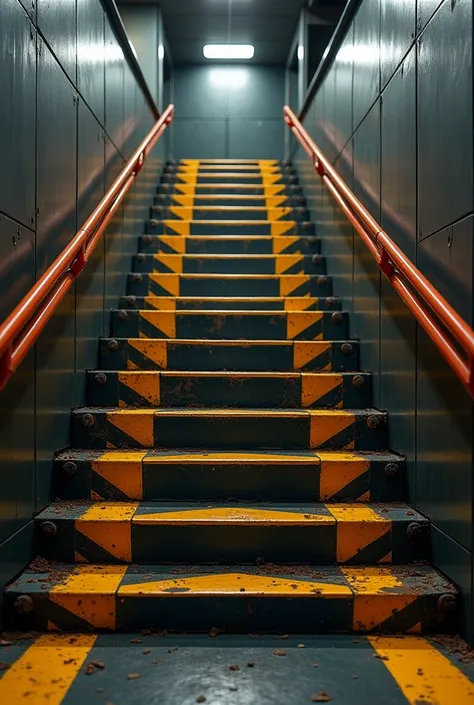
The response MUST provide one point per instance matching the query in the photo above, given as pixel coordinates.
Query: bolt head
(138, 278)
(140, 257)
(336, 317)
(417, 532)
(147, 239)
(447, 604)
(87, 420)
(49, 528)
(306, 225)
(24, 604)
(373, 421)
(391, 469)
(113, 345)
(122, 315)
(132, 301)
(70, 468)
(100, 378)
(321, 281)
(358, 381)
(316, 259)
(346, 349)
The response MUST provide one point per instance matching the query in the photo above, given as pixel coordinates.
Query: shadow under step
(217, 228)
(229, 244)
(230, 303)
(229, 264)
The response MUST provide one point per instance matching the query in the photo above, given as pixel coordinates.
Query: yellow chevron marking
(180, 227)
(169, 282)
(306, 351)
(165, 321)
(423, 674)
(183, 200)
(89, 593)
(290, 282)
(279, 228)
(154, 350)
(232, 584)
(108, 525)
(234, 457)
(123, 470)
(234, 515)
(314, 386)
(182, 213)
(47, 669)
(284, 262)
(160, 303)
(278, 213)
(176, 242)
(144, 383)
(263, 163)
(270, 179)
(299, 303)
(299, 321)
(357, 527)
(338, 470)
(273, 190)
(274, 201)
(173, 262)
(280, 243)
(187, 177)
(325, 424)
(188, 189)
(136, 423)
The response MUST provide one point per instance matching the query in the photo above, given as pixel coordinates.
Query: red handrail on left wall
(449, 332)
(20, 330)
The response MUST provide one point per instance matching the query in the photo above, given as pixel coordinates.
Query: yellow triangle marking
(161, 303)
(280, 228)
(299, 321)
(145, 383)
(181, 200)
(182, 213)
(306, 351)
(284, 262)
(315, 386)
(273, 190)
(270, 179)
(357, 527)
(165, 321)
(290, 282)
(280, 243)
(123, 470)
(176, 242)
(232, 584)
(179, 227)
(169, 282)
(278, 213)
(188, 189)
(136, 423)
(187, 178)
(299, 303)
(172, 262)
(274, 201)
(338, 470)
(325, 424)
(154, 350)
(234, 515)
(108, 525)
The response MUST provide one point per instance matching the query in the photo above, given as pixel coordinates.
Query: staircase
(229, 473)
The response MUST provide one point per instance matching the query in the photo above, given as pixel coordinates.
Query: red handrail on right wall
(446, 328)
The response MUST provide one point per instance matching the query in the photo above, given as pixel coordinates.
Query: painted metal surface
(114, 95)
(57, 22)
(90, 55)
(397, 32)
(366, 50)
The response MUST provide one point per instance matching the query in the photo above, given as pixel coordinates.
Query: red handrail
(21, 328)
(446, 328)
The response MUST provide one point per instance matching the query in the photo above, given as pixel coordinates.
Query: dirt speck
(134, 676)
(321, 697)
(301, 646)
(93, 667)
(201, 699)
(215, 631)
(4, 666)
(234, 667)
(146, 651)
(250, 664)
(279, 652)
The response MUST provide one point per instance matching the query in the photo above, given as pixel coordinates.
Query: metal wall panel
(199, 139)
(366, 299)
(115, 266)
(17, 114)
(328, 123)
(90, 285)
(30, 8)
(366, 58)
(114, 81)
(398, 326)
(256, 139)
(130, 113)
(397, 32)
(90, 55)
(425, 10)
(57, 22)
(17, 437)
(201, 92)
(344, 67)
(254, 92)
(445, 123)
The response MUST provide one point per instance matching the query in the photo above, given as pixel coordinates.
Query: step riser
(180, 285)
(223, 544)
(217, 228)
(229, 177)
(142, 479)
(221, 304)
(248, 169)
(230, 188)
(164, 263)
(229, 200)
(154, 389)
(150, 244)
(212, 357)
(312, 325)
(292, 431)
(208, 212)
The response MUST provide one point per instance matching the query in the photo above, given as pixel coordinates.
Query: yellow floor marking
(338, 470)
(180, 227)
(280, 243)
(304, 352)
(290, 282)
(357, 527)
(182, 213)
(165, 321)
(169, 282)
(422, 672)
(326, 423)
(255, 413)
(45, 672)
(315, 386)
(279, 213)
(172, 262)
(233, 515)
(299, 321)
(123, 470)
(232, 584)
(154, 350)
(145, 383)
(372, 580)
(89, 593)
(108, 525)
(161, 303)
(234, 375)
(281, 227)
(136, 423)
(284, 262)
(299, 303)
(236, 457)
(176, 242)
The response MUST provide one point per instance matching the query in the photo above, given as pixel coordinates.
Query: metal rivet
(32, 219)
(373, 421)
(346, 349)
(446, 603)
(391, 469)
(154, 223)
(306, 224)
(157, 209)
(138, 278)
(88, 420)
(132, 301)
(330, 301)
(316, 259)
(49, 528)
(24, 604)
(417, 532)
(140, 257)
(321, 281)
(100, 378)
(70, 468)
(122, 315)
(112, 345)
(147, 239)
(358, 381)
(336, 317)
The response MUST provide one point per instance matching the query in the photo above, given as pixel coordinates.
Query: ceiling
(269, 25)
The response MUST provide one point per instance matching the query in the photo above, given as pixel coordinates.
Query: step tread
(231, 513)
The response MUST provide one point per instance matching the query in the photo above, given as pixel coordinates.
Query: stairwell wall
(72, 112)
(394, 114)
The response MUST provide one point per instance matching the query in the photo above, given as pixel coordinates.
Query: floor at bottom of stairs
(152, 669)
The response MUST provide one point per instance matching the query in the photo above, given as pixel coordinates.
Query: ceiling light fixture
(229, 51)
